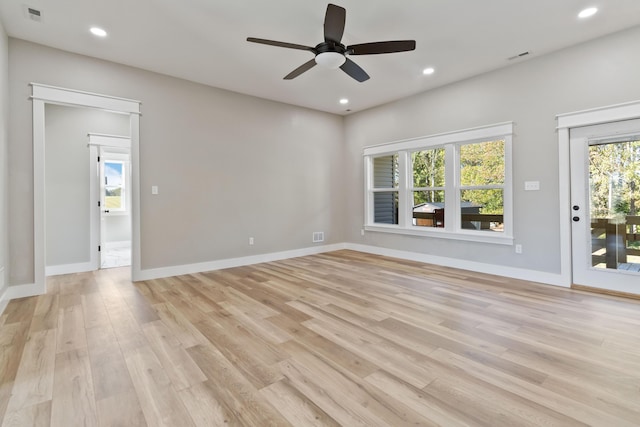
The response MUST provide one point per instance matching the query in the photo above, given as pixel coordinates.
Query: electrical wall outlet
(518, 249)
(251, 241)
(318, 236)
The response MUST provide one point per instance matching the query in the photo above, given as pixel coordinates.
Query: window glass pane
(428, 168)
(385, 207)
(482, 163)
(114, 185)
(385, 172)
(482, 209)
(614, 194)
(428, 209)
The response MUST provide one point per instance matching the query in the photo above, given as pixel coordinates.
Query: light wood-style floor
(342, 338)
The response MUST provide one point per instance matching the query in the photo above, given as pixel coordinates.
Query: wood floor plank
(295, 406)
(350, 392)
(235, 391)
(436, 411)
(200, 400)
(108, 367)
(558, 402)
(33, 383)
(159, 401)
(46, 313)
(73, 400)
(339, 338)
(180, 368)
(38, 415)
(180, 326)
(253, 360)
(71, 329)
(121, 410)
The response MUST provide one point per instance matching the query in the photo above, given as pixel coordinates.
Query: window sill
(469, 236)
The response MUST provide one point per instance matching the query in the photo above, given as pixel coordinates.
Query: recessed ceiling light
(344, 101)
(98, 32)
(588, 12)
(428, 71)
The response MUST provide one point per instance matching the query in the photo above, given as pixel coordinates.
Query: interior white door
(605, 206)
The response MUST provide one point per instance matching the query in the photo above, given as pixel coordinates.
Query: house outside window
(455, 185)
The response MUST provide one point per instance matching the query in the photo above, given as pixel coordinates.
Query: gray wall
(598, 73)
(4, 176)
(67, 176)
(117, 228)
(228, 166)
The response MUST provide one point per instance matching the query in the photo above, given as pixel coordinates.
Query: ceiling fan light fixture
(331, 60)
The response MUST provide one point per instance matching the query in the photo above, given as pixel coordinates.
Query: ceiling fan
(333, 54)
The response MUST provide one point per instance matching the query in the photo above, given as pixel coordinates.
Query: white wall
(598, 73)
(67, 177)
(117, 228)
(228, 166)
(4, 174)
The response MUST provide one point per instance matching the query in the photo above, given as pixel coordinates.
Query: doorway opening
(110, 161)
(601, 222)
(42, 96)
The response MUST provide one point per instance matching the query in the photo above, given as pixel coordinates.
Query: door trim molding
(45, 94)
(565, 122)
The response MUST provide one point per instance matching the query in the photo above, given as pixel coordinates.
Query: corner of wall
(4, 123)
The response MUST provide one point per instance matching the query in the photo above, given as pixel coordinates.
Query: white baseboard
(19, 291)
(499, 270)
(515, 273)
(177, 270)
(54, 270)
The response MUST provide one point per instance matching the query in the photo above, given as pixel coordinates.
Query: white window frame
(123, 160)
(451, 142)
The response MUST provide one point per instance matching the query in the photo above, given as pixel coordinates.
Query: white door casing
(574, 260)
(45, 94)
(582, 139)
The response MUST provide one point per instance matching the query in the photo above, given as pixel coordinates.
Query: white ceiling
(205, 40)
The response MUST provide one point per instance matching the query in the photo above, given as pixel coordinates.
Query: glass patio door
(605, 211)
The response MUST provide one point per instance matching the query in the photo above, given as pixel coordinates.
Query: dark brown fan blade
(334, 21)
(280, 44)
(381, 47)
(354, 70)
(301, 69)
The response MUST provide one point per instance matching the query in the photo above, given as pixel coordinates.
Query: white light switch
(531, 185)
(154, 189)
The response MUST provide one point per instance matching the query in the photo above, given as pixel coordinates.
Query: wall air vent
(318, 236)
(33, 14)
(518, 56)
